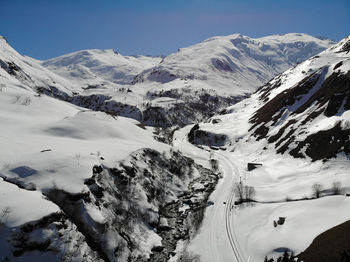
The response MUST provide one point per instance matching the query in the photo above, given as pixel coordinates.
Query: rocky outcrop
(120, 208)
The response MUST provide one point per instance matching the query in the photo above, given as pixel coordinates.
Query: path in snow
(216, 239)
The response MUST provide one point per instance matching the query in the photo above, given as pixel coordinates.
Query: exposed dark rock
(336, 139)
(252, 166)
(97, 169)
(191, 133)
(345, 47)
(10, 67)
(274, 138)
(157, 249)
(202, 137)
(331, 98)
(283, 100)
(332, 245)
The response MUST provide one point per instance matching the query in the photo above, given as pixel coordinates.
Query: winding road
(216, 239)
(238, 254)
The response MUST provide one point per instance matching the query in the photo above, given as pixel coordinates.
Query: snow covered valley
(234, 149)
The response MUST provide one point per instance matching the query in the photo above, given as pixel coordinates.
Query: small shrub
(316, 190)
(337, 188)
(5, 212)
(238, 187)
(286, 257)
(249, 192)
(214, 164)
(244, 193)
(189, 257)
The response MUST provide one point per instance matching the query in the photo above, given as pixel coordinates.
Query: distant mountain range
(105, 157)
(164, 91)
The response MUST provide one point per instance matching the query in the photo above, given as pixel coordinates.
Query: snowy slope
(82, 185)
(301, 103)
(94, 67)
(49, 144)
(187, 86)
(237, 64)
(72, 137)
(308, 106)
(101, 187)
(28, 73)
(297, 127)
(222, 71)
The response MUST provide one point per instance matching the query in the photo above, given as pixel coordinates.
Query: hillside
(310, 108)
(97, 67)
(188, 86)
(236, 64)
(98, 161)
(297, 127)
(83, 185)
(27, 72)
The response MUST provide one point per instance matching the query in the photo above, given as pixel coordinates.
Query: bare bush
(316, 190)
(214, 164)
(249, 193)
(189, 257)
(120, 248)
(337, 188)
(5, 212)
(244, 193)
(239, 191)
(196, 217)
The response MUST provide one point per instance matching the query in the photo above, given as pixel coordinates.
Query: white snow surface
(73, 139)
(31, 74)
(280, 179)
(96, 66)
(22, 205)
(236, 64)
(233, 64)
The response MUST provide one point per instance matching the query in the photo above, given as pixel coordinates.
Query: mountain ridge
(107, 81)
(112, 175)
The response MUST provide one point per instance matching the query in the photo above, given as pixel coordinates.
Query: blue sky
(45, 29)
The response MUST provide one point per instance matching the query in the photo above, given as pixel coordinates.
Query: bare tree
(337, 188)
(214, 164)
(239, 191)
(249, 193)
(244, 193)
(316, 190)
(5, 212)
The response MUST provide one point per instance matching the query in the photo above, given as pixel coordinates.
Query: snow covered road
(216, 240)
(232, 171)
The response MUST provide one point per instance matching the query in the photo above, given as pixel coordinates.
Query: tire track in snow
(228, 225)
(212, 252)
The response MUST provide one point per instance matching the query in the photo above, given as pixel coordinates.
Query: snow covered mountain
(223, 70)
(94, 67)
(292, 110)
(27, 72)
(78, 184)
(296, 129)
(184, 87)
(237, 64)
(308, 106)
(81, 185)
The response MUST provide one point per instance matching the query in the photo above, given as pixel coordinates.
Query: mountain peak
(2, 38)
